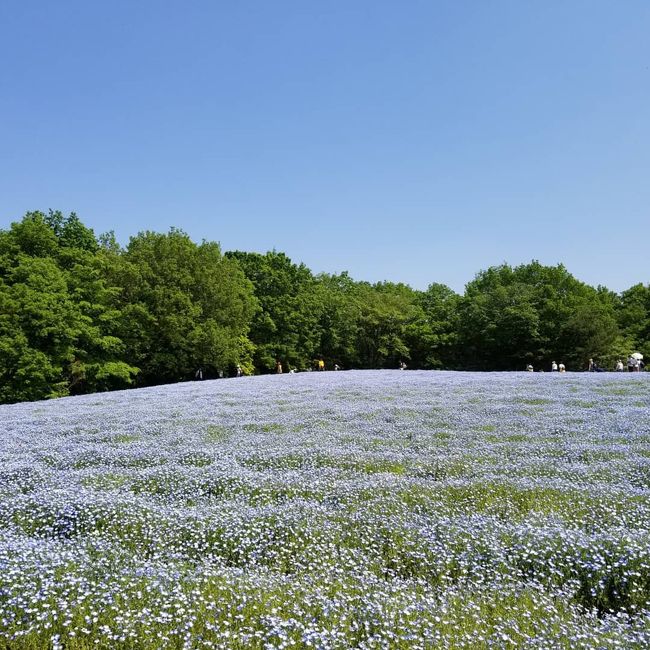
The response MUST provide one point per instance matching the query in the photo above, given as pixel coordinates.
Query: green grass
(268, 427)
(217, 433)
(106, 481)
(125, 438)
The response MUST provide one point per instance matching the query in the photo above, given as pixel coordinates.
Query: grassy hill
(369, 509)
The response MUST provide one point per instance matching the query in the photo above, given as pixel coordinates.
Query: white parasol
(637, 355)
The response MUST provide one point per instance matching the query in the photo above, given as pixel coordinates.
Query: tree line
(79, 313)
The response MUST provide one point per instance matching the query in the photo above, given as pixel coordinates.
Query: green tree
(287, 326)
(633, 316)
(338, 319)
(183, 306)
(70, 232)
(38, 328)
(57, 312)
(533, 314)
(386, 310)
(433, 337)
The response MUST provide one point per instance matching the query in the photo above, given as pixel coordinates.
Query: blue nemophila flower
(331, 510)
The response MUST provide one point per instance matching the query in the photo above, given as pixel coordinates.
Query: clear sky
(411, 141)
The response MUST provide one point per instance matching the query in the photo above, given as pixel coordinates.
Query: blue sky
(407, 141)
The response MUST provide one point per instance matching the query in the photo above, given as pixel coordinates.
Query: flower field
(359, 509)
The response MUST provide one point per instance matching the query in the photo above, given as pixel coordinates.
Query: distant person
(278, 367)
(592, 366)
(529, 368)
(402, 365)
(619, 366)
(239, 372)
(336, 366)
(561, 367)
(321, 364)
(198, 375)
(553, 366)
(631, 364)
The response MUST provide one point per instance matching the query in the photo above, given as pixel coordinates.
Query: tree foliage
(183, 306)
(285, 328)
(633, 318)
(79, 313)
(510, 317)
(57, 312)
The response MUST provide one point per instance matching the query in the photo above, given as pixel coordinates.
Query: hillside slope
(330, 510)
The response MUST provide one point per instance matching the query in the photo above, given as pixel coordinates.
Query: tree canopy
(510, 317)
(79, 313)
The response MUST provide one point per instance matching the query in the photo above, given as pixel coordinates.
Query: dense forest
(79, 313)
